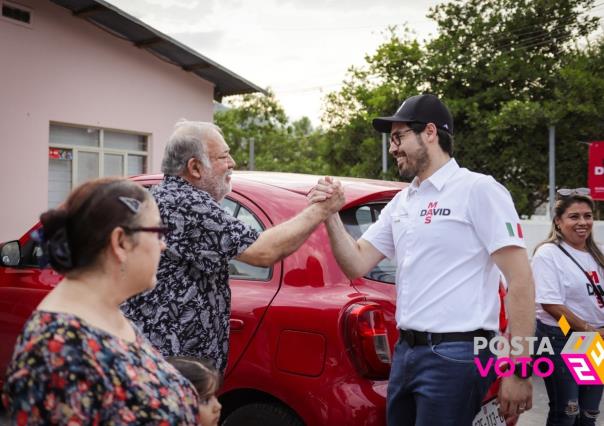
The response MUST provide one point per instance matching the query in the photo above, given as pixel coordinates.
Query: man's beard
(416, 164)
(216, 186)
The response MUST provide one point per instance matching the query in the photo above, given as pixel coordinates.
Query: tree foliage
(278, 144)
(508, 69)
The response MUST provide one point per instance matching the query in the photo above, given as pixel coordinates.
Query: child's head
(206, 380)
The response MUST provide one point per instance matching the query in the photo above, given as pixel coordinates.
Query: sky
(299, 48)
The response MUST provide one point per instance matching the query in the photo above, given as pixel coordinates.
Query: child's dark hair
(74, 234)
(201, 373)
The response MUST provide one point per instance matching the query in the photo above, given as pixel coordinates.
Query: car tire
(262, 414)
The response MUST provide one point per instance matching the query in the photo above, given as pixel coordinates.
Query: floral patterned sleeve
(66, 372)
(51, 381)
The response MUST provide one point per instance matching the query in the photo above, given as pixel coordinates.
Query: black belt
(414, 338)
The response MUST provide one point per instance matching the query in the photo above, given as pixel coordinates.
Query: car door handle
(236, 324)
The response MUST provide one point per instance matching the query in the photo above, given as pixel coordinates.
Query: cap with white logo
(420, 109)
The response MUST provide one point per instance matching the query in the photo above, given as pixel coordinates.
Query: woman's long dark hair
(74, 234)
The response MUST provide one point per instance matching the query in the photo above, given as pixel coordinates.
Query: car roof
(303, 183)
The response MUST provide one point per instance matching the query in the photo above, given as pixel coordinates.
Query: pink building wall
(64, 69)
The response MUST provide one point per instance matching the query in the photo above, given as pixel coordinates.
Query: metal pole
(251, 164)
(552, 169)
(384, 153)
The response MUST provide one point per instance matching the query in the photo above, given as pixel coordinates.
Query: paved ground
(535, 417)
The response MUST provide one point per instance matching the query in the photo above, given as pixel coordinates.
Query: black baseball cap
(421, 109)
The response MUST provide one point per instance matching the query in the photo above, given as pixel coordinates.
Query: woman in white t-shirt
(568, 268)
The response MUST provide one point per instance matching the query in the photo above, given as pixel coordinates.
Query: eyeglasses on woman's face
(161, 231)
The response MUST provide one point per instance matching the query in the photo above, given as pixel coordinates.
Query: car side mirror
(10, 254)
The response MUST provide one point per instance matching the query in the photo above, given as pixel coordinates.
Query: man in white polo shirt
(451, 232)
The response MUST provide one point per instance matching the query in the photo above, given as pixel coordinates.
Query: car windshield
(357, 220)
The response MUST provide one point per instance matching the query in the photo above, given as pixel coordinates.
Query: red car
(308, 346)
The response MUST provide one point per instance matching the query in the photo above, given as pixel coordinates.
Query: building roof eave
(122, 25)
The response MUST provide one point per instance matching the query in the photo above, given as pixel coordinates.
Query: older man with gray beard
(188, 311)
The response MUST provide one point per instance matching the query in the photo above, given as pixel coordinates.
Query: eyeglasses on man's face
(397, 137)
(569, 192)
(161, 231)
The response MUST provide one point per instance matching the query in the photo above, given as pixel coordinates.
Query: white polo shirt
(441, 235)
(559, 281)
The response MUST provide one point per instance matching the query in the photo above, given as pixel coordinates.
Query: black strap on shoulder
(587, 274)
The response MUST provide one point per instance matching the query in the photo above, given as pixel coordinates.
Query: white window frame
(101, 150)
(17, 6)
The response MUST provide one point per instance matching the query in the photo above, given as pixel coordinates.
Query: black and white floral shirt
(187, 313)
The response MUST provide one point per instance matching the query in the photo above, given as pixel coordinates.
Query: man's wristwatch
(518, 370)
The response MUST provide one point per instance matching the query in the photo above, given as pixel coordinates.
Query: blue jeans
(434, 385)
(569, 403)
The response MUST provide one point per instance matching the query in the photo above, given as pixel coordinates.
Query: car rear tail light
(366, 338)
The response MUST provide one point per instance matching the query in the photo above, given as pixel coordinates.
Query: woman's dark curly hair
(74, 234)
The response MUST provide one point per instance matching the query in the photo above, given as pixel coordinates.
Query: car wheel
(262, 414)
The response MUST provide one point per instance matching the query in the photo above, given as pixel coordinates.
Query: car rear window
(356, 221)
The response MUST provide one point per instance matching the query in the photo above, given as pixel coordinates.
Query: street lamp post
(552, 169)
(252, 160)
(384, 154)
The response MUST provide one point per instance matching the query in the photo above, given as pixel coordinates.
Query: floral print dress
(65, 371)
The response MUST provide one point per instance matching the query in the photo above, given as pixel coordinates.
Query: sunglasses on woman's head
(569, 192)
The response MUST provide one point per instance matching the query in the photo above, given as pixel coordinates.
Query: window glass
(244, 271)
(32, 255)
(59, 176)
(237, 269)
(249, 219)
(137, 165)
(356, 221)
(88, 166)
(363, 219)
(229, 205)
(113, 165)
(74, 154)
(125, 141)
(75, 136)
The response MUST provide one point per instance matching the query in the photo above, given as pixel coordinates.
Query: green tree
(508, 69)
(498, 64)
(278, 144)
(354, 147)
